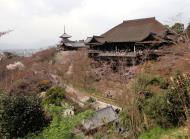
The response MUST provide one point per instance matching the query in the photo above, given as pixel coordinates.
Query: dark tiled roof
(133, 31)
(101, 117)
(75, 44)
(65, 35)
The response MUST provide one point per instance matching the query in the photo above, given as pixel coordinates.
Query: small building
(67, 45)
(101, 117)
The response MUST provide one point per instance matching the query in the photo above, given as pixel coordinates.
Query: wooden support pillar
(134, 49)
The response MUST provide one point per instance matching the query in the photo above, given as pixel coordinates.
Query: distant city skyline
(39, 23)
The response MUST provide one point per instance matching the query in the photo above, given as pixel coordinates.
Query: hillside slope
(176, 59)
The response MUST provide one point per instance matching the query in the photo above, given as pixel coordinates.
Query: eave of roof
(65, 35)
(75, 44)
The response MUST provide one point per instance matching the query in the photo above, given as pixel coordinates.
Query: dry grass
(37, 67)
(177, 60)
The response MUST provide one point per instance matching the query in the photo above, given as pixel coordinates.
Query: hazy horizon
(39, 23)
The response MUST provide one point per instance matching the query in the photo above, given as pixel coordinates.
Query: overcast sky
(39, 23)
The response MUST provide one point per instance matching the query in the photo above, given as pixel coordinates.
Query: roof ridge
(113, 28)
(133, 30)
(139, 19)
(105, 108)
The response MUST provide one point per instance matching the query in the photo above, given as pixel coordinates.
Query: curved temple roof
(133, 31)
(65, 35)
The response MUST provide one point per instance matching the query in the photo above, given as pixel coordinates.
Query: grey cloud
(46, 7)
(40, 22)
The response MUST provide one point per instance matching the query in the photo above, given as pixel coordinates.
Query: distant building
(146, 33)
(101, 117)
(131, 42)
(67, 44)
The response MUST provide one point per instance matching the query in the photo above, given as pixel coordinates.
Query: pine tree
(178, 28)
(188, 30)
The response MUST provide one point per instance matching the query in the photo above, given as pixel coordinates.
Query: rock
(70, 70)
(68, 112)
(85, 99)
(42, 95)
(2, 56)
(17, 65)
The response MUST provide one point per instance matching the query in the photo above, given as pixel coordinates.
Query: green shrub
(55, 96)
(1, 111)
(171, 109)
(91, 100)
(178, 99)
(157, 110)
(21, 115)
(166, 107)
(188, 30)
(178, 28)
(98, 136)
(144, 81)
(155, 133)
(141, 113)
(61, 128)
(164, 84)
(125, 119)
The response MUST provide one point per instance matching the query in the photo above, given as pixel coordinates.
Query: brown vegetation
(26, 81)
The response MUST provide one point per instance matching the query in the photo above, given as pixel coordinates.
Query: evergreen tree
(188, 30)
(178, 28)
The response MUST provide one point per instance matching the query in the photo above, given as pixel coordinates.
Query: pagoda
(66, 44)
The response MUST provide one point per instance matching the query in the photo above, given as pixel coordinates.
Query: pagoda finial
(65, 35)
